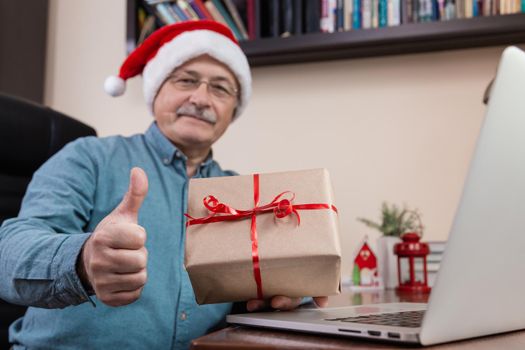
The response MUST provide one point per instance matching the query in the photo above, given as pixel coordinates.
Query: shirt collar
(167, 150)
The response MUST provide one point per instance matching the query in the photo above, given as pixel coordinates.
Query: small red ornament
(412, 264)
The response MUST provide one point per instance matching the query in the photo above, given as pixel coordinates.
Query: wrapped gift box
(296, 258)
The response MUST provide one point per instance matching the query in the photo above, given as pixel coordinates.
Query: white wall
(397, 128)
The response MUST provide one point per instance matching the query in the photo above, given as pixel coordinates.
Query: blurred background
(398, 128)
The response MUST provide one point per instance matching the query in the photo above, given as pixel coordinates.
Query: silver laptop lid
(480, 288)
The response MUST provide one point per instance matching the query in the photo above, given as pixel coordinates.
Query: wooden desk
(237, 337)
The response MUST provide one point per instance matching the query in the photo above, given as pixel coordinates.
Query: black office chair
(29, 135)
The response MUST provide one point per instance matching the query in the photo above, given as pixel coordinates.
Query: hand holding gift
(263, 236)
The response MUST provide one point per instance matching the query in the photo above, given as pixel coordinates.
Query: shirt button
(178, 154)
(166, 161)
(183, 316)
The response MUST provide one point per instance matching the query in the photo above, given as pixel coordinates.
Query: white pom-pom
(114, 86)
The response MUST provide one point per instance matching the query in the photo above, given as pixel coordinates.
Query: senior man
(98, 257)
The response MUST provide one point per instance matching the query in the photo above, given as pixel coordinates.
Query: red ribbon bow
(280, 206)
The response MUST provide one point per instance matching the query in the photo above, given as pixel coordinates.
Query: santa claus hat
(173, 45)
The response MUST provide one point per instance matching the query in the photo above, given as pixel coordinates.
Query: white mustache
(204, 114)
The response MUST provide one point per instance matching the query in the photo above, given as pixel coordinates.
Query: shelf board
(406, 38)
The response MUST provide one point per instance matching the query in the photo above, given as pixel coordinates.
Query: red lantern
(412, 264)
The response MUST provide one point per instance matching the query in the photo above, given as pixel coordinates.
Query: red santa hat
(173, 45)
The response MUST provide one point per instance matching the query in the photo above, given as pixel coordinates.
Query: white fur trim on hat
(192, 44)
(115, 86)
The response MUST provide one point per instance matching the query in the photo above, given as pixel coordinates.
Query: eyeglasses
(219, 88)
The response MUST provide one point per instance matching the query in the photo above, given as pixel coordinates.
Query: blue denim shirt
(66, 199)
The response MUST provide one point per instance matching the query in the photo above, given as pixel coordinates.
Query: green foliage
(396, 221)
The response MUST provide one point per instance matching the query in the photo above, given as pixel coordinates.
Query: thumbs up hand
(113, 259)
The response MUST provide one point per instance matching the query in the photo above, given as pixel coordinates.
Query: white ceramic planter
(387, 260)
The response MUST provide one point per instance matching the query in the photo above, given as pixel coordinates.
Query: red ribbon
(280, 206)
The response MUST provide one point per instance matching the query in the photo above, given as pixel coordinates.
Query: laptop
(480, 287)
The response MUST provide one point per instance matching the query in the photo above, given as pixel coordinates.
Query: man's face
(194, 115)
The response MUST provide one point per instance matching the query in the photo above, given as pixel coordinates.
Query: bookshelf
(402, 39)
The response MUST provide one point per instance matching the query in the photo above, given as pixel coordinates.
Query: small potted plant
(394, 222)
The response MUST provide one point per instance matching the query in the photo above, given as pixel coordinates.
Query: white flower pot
(387, 260)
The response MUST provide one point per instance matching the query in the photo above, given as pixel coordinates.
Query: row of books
(344, 15)
(437, 248)
(255, 19)
(155, 13)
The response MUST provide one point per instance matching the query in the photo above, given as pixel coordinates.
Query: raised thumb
(137, 191)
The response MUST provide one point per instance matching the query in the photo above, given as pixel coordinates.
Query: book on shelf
(234, 7)
(253, 18)
(198, 6)
(366, 14)
(286, 18)
(183, 16)
(185, 7)
(475, 8)
(406, 11)
(198, 10)
(438, 9)
(347, 14)
(487, 7)
(393, 12)
(141, 16)
(270, 18)
(298, 17)
(227, 18)
(149, 10)
(215, 12)
(162, 12)
(326, 20)
(340, 16)
(382, 13)
(434, 257)
(146, 29)
(311, 16)
(436, 246)
(357, 14)
(468, 8)
(374, 13)
(450, 10)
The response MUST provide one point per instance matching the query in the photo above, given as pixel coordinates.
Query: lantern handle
(420, 226)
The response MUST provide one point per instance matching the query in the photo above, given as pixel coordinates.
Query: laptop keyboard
(411, 319)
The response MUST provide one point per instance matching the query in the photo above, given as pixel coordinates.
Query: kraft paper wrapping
(295, 260)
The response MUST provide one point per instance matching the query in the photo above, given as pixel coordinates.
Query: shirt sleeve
(40, 247)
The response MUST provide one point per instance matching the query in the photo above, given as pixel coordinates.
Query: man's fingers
(138, 189)
(115, 283)
(285, 303)
(126, 260)
(121, 298)
(256, 304)
(123, 235)
(321, 301)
